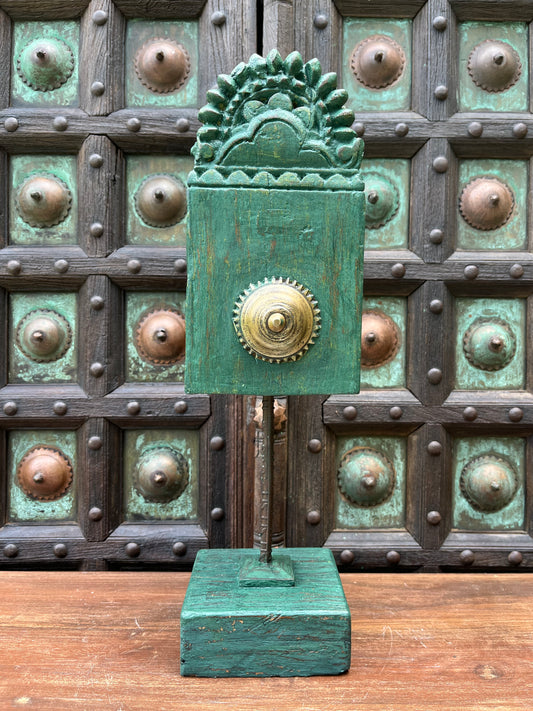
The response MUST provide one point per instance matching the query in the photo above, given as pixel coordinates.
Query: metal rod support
(265, 554)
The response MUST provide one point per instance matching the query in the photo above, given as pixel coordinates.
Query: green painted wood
(275, 194)
(256, 573)
(228, 630)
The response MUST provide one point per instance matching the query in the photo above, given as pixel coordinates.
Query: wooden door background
(428, 468)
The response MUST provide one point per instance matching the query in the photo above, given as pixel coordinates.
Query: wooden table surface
(110, 640)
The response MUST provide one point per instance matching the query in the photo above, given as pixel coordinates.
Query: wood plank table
(98, 641)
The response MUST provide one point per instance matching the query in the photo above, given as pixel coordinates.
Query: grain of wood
(110, 641)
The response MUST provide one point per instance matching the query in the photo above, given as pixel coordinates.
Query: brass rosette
(489, 344)
(488, 482)
(494, 65)
(161, 200)
(162, 65)
(45, 64)
(366, 477)
(43, 200)
(161, 475)
(380, 339)
(160, 336)
(276, 320)
(43, 335)
(486, 203)
(377, 62)
(44, 473)
(382, 200)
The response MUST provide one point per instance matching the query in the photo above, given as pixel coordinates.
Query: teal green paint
(62, 167)
(232, 631)
(255, 573)
(511, 517)
(24, 370)
(472, 97)
(138, 169)
(396, 97)
(317, 252)
(23, 34)
(141, 31)
(23, 507)
(137, 508)
(512, 376)
(391, 374)
(513, 234)
(390, 513)
(394, 234)
(275, 194)
(139, 303)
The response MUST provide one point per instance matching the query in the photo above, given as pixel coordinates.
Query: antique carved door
(429, 467)
(104, 460)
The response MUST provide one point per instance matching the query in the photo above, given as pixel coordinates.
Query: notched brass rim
(61, 216)
(355, 62)
(66, 74)
(46, 450)
(370, 451)
(266, 326)
(488, 459)
(482, 321)
(471, 187)
(162, 89)
(53, 315)
(138, 339)
(483, 85)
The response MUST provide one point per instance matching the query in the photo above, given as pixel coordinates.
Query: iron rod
(265, 554)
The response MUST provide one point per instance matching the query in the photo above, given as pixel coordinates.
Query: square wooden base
(231, 630)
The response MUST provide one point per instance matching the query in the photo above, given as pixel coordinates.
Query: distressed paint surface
(227, 630)
(512, 376)
(511, 517)
(23, 167)
(394, 234)
(139, 303)
(511, 235)
(136, 507)
(391, 374)
(390, 513)
(23, 34)
(140, 31)
(472, 97)
(138, 169)
(25, 370)
(396, 97)
(25, 508)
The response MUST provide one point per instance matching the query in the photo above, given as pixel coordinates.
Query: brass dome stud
(43, 335)
(45, 64)
(494, 65)
(276, 320)
(486, 203)
(366, 477)
(382, 200)
(377, 61)
(488, 482)
(161, 474)
(43, 200)
(161, 201)
(162, 65)
(380, 339)
(44, 473)
(160, 337)
(489, 344)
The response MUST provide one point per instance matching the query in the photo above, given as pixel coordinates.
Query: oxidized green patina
(158, 498)
(275, 198)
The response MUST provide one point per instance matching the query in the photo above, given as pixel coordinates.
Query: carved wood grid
(99, 409)
(437, 139)
(424, 411)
